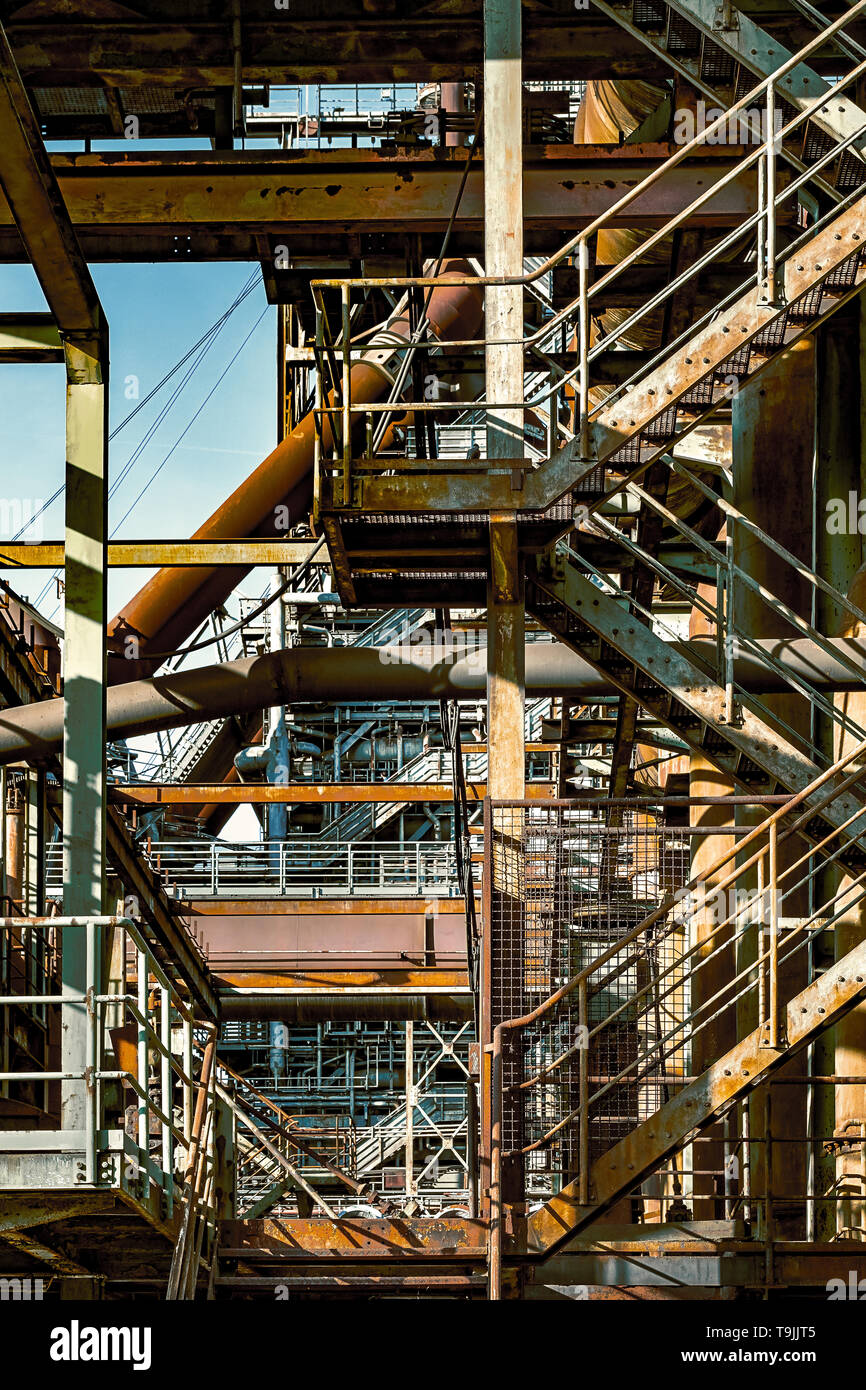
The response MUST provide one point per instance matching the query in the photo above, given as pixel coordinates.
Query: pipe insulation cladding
(312, 675)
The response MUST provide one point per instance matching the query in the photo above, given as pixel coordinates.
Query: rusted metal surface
(35, 205)
(297, 193)
(355, 1285)
(624, 1166)
(271, 793)
(146, 554)
(404, 1238)
(358, 43)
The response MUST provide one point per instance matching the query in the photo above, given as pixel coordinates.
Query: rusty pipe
(303, 675)
(176, 600)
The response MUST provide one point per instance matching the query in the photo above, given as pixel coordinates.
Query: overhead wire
(209, 335)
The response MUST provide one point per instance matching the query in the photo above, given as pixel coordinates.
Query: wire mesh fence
(567, 883)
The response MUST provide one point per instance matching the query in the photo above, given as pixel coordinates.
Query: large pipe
(305, 675)
(319, 1005)
(171, 605)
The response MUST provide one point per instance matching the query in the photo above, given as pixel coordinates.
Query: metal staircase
(398, 624)
(428, 766)
(380, 1141)
(687, 698)
(274, 1153)
(595, 1082)
(785, 267)
(720, 50)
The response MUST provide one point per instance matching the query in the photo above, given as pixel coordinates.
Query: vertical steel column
(503, 252)
(503, 362)
(84, 686)
(410, 1109)
(506, 677)
(34, 897)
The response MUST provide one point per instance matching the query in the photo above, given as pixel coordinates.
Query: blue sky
(155, 313)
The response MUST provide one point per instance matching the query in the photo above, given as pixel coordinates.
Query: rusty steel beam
(34, 204)
(322, 907)
(336, 998)
(350, 41)
(36, 1249)
(402, 1238)
(353, 1285)
(346, 43)
(148, 554)
(363, 191)
(273, 793)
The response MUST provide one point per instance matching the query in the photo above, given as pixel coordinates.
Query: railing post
(583, 1097)
(583, 345)
(143, 1100)
(772, 294)
(165, 1096)
(774, 937)
(761, 258)
(188, 1082)
(347, 394)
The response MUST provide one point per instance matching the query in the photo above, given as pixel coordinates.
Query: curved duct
(171, 605)
(309, 675)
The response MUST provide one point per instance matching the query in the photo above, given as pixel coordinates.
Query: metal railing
(336, 348)
(295, 868)
(732, 638)
(615, 1022)
(146, 1126)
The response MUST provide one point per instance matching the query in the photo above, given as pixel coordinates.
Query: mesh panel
(567, 886)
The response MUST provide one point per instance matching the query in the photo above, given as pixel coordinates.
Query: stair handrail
(284, 1125)
(579, 981)
(627, 198)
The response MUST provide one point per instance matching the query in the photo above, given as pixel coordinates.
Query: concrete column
(84, 691)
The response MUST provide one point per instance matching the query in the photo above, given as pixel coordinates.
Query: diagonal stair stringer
(700, 1104)
(654, 401)
(678, 693)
